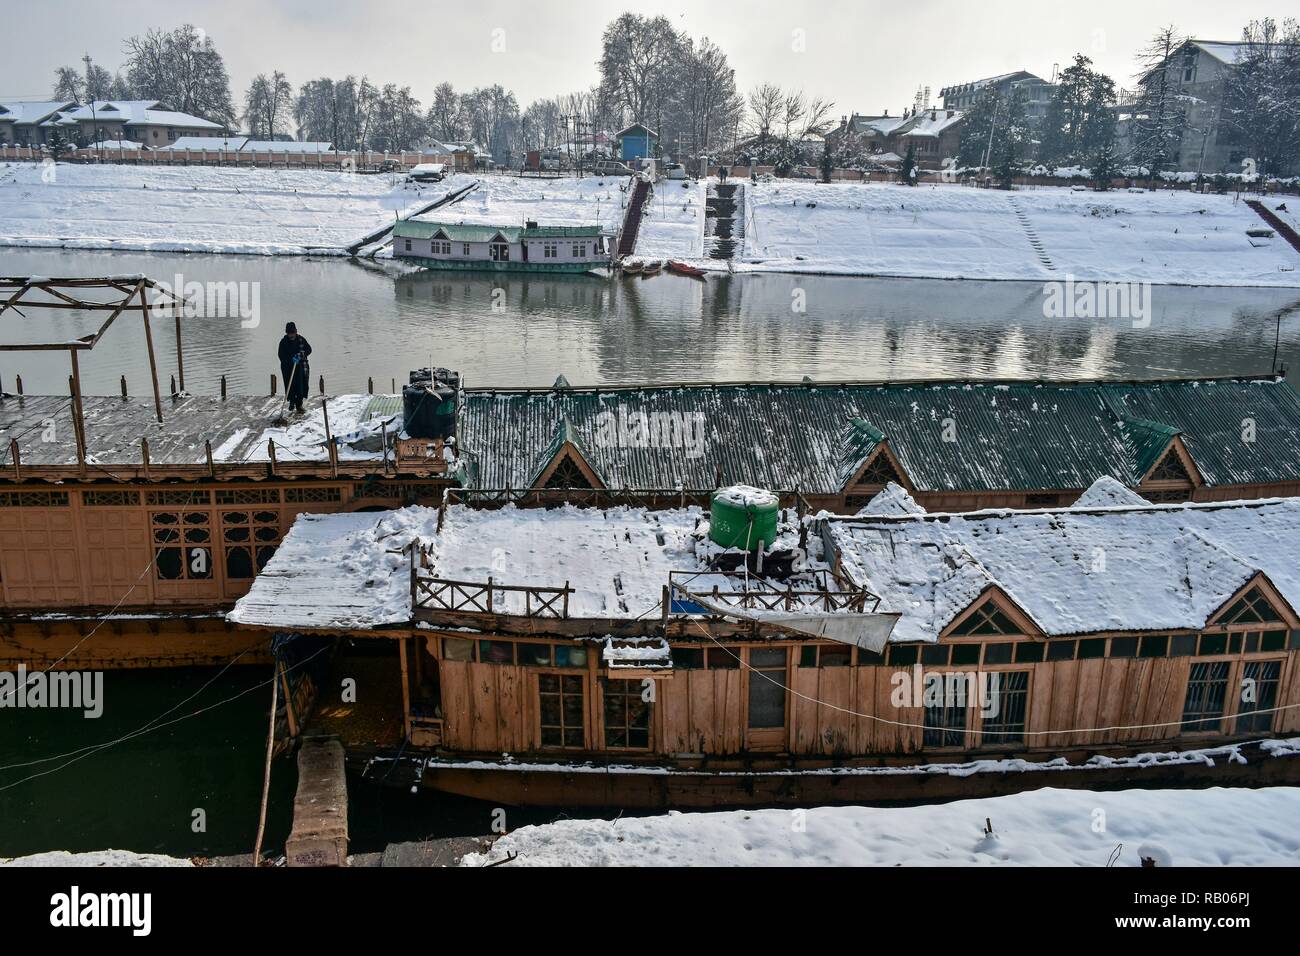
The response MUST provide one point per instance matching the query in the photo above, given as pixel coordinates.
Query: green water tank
(741, 517)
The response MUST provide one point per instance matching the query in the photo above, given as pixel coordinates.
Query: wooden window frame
(636, 686)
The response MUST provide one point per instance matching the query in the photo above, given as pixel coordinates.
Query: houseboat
(527, 248)
(749, 655)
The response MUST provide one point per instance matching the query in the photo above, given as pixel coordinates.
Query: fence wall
(230, 157)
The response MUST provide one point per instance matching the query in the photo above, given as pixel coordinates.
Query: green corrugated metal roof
(859, 440)
(951, 436)
(456, 232)
(561, 232)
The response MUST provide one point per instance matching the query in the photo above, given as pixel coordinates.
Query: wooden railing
(754, 593)
(480, 597)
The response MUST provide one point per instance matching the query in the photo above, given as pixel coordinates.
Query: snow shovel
(281, 420)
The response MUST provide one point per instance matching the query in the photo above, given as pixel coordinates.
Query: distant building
(637, 141)
(1037, 92)
(934, 133)
(146, 122)
(22, 123)
(1195, 72)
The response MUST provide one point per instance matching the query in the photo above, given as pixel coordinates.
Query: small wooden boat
(652, 268)
(630, 268)
(684, 269)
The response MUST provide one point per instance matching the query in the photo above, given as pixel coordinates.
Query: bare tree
(182, 69)
(1159, 114)
(267, 105)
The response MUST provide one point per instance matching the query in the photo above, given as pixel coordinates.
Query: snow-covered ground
(200, 208)
(1048, 827)
(949, 231)
(673, 224)
(95, 858)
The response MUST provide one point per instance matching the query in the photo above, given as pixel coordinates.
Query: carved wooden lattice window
(562, 701)
(182, 545)
(313, 494)
(880, 471)
(1251, 608)
(986, 619)
(567, 474)
(249, 539)
(1171, 468)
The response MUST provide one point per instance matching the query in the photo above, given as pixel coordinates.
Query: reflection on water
(525, 330)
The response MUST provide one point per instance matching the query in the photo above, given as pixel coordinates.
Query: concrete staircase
(1034, 242)
(724, 220)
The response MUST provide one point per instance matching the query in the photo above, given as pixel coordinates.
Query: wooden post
(412, 546)
(78, 430)
(153, 361)
(124, 386)
(394, 391)
(16, 458)
(172, 385)
(329, 438)
(566, 600)
(270, 445)
(370, 385)
(489, 599)
(223, 388)
(322, 384)
(667, 604)
(180, 350)
(273, 383)
(212, 468)
(144, 456)
(18, 379)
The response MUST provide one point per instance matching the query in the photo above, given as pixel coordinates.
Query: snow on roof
(137, 112)
(338, 570)
(228, 143)
(1106, 492)
(893, 500)
(884, 125)
(346, 570)
(1073, 571)
(115, 144)
(31, 111)
(931, 122)
(1230, 52)
(286, 146)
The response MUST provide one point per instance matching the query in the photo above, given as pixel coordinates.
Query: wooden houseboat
(621, 657)
(129, 525)
(475, 247)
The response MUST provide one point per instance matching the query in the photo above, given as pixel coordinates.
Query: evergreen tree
(826, 160)
(1104, 164)
(907, 169)
(56, 143)
(1261, 95)
(1159, 117)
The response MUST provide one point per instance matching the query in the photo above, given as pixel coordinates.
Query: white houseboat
(527, 248)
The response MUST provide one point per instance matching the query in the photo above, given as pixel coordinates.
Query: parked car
(608, 167)
(674, 171)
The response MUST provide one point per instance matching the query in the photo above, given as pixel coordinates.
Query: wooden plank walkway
(320, 809)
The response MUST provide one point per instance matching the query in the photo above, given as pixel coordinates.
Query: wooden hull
(128, 643)
(648, 789)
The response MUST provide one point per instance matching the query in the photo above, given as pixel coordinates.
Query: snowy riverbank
(936, 231)
(1040, 234)
(1215, 827)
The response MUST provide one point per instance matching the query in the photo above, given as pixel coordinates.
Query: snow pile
(95, 858)
(949, 231)
(893, 500)
(201, 208)
(1214, 827)
(673, 224)
(1074, 572)
(1108, 492)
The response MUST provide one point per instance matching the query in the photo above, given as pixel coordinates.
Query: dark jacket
(288, 349)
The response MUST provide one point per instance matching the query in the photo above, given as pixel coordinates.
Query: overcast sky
(865, 56)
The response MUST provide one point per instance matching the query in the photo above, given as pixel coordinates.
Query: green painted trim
(487, 265)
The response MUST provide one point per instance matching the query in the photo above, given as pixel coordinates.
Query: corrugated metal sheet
(953, 436)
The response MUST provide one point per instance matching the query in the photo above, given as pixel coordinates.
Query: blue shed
(636, 142)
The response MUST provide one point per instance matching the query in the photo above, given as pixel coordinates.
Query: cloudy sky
(865, 56)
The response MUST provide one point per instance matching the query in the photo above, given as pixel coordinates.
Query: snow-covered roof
(1106, 492)
(116, 144)
(893, 500)
(1073, 570)
(28, 111)
(230, 144)
(1225, 52)
(930, 122)
(884, 125)
(137, 112)
(286, 146)
(347, 570)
